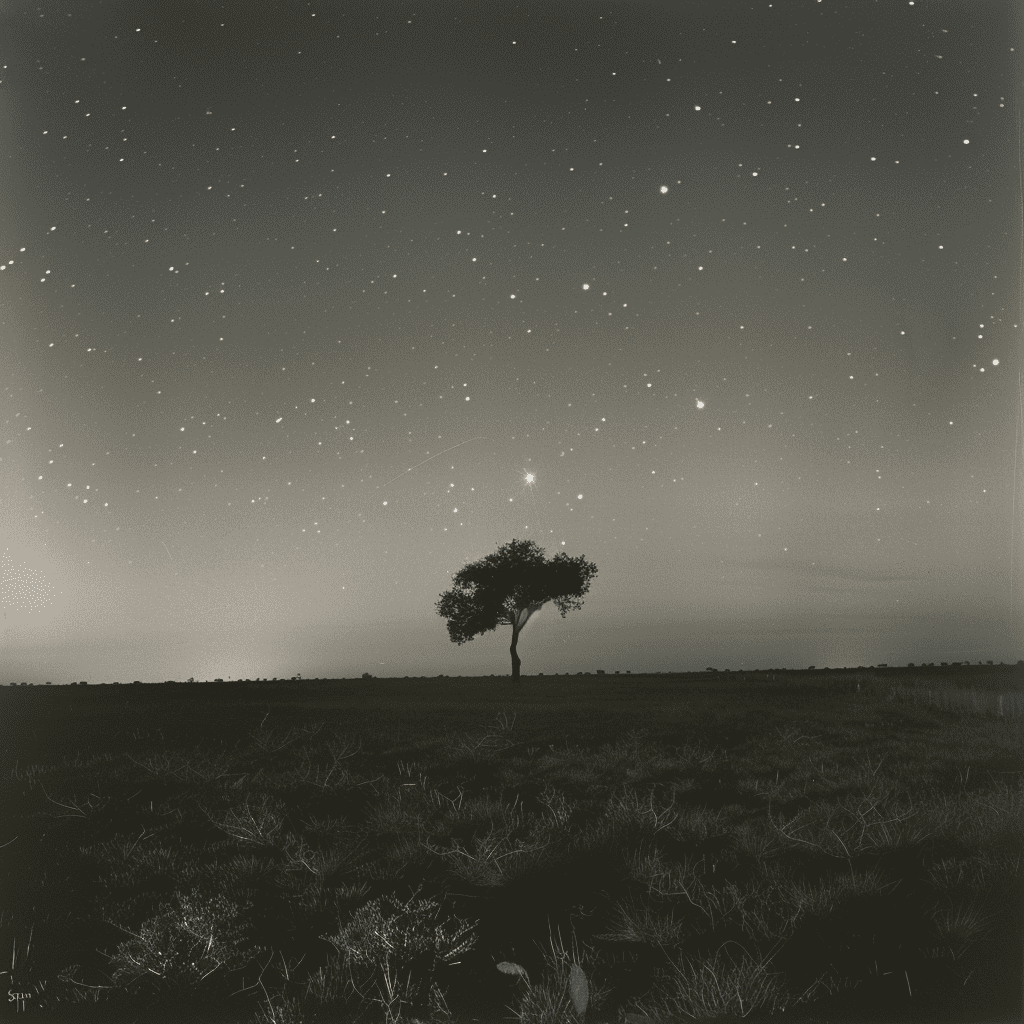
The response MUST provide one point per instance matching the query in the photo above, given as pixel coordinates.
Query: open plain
(821, 846)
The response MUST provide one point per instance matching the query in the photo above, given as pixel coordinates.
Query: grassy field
(810, 846)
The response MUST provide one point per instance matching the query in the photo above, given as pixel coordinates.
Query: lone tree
(508, 587)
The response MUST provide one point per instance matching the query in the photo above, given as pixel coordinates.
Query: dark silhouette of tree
(508, 587)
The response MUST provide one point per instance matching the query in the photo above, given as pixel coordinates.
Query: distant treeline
(757, 673)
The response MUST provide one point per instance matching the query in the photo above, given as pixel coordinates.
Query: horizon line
(595, 672)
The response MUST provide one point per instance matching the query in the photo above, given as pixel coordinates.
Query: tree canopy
(508, 587)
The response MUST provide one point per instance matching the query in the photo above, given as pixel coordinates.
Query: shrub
(183, 944)
(404, 940)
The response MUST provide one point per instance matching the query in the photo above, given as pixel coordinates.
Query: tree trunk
(522, 616)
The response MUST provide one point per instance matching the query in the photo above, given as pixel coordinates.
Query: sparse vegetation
(716, 847)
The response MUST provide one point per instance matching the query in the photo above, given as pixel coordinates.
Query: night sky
(307, 305)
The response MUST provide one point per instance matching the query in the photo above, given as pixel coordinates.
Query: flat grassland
(815, 846)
